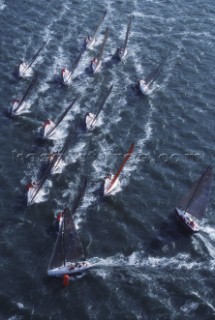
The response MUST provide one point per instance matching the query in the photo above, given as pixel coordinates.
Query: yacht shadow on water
(111, 61)
(88, 71)
(168, 234)
(56, 80)
(20, 201)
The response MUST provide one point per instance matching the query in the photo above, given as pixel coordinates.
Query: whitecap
(2, 5)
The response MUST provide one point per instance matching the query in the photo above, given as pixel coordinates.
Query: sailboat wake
(42, 194)
(138, 260)
(25, 71)
(2, 5)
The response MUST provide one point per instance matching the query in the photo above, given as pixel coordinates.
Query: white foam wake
(2, 5)
(181, 261)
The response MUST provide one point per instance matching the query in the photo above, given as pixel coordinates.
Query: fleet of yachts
(67, 258)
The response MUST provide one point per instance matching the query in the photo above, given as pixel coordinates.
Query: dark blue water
(149, 268)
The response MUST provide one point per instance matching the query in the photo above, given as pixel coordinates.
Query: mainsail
(62, 116)
(101, 106)
(152, 77)
(102, 46)
(195, 202)
(127, 156)
(30, 62)
(68, 247)
(100, 22)
(127, 33)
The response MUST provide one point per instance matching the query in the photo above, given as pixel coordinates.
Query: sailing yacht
(193, 206)
(68, 255)
(91, 118)
(67, 75)
(111, 182)
(49, 128)
(96, 62)
(146, 84)
(53, 165)
(122, 52)
(25, 68)
(90, 41)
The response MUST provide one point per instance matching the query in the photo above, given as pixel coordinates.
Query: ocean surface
(150, 268)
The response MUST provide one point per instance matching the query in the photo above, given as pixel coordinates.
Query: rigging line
(90, 242)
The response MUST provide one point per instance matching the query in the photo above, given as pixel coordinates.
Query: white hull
(24, 108)
(144, 88)
(89, 120)
(71, 268)
(114, 188)
(25, 70)
(66, 76)
(30, 194)
(45, 129)
(187, 220)
(41, 195)
(89, 43)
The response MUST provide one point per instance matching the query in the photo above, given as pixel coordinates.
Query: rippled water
(149, 268)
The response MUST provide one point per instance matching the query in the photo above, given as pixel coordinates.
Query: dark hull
(185, 225)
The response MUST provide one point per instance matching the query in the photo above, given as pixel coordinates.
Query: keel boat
(112, 183)
(49, 127)
(146, 84)
(68, 257)
(91, 118)
(96, 62)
